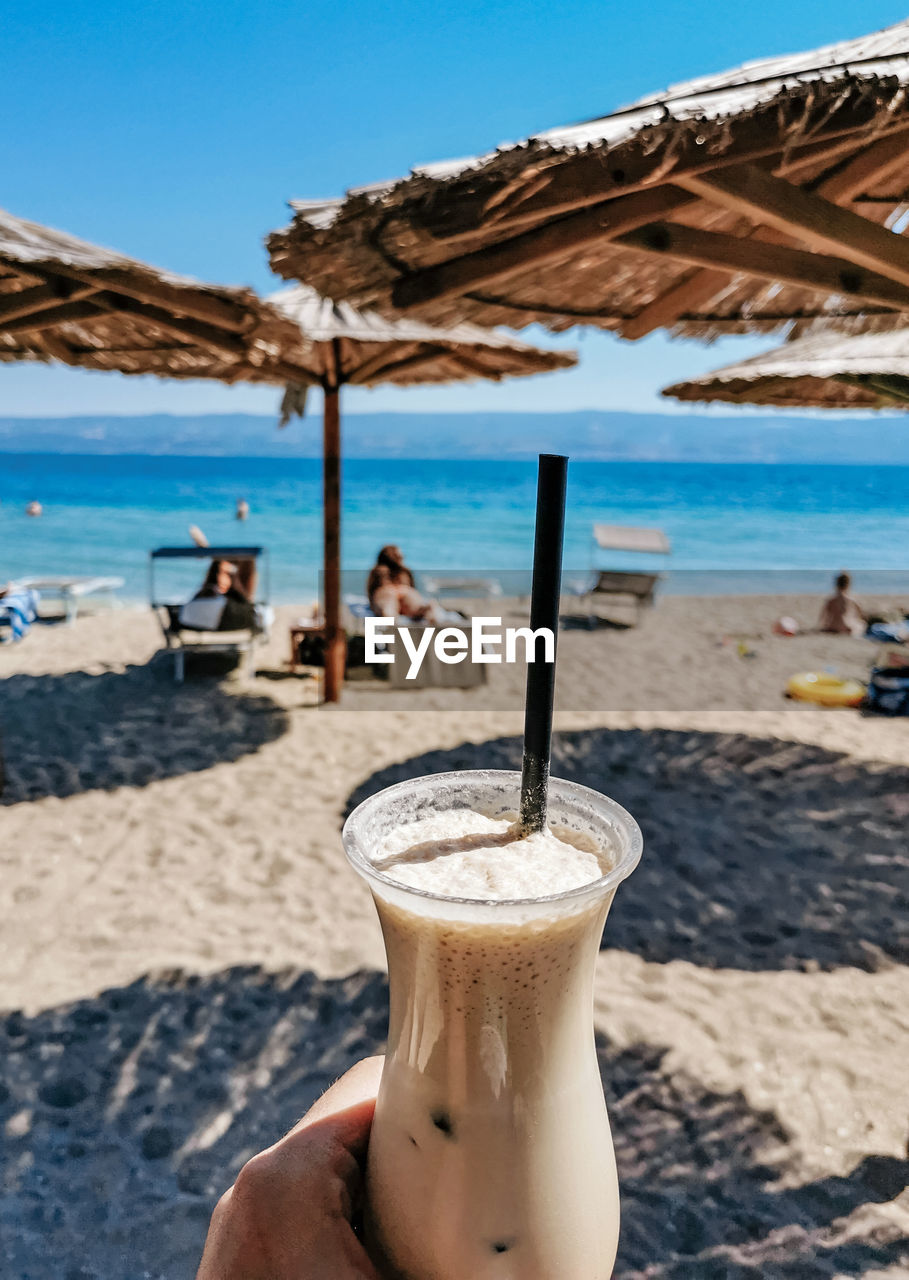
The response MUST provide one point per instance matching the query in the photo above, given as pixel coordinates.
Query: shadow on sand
(758, 854)
(125, 1116)
(63, 734)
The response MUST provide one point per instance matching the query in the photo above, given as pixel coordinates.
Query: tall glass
(490, 1156)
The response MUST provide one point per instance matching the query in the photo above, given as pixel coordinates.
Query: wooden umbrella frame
(350, 347)
(736, 203)
(335, 638)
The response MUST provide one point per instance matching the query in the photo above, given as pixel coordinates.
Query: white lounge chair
(71, 590)
(636, 586)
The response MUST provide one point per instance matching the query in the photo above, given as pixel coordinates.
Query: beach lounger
(71, 590)
(634, 586)
(462, 588)
(18, 610)
(359, 609)
(181, 639)
(433, 674)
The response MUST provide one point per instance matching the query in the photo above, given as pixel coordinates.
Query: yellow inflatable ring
(825, 689)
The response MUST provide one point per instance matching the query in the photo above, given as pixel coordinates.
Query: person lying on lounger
(224, 602)
(392, 591)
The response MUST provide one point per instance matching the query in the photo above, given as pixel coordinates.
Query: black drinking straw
(544, 612)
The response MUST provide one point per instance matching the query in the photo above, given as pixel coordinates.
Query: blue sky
(176, 130)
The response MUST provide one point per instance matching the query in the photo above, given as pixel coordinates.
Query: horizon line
(707, 410)
(398, 457)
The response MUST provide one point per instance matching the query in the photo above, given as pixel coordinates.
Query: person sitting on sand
(840, 614)
(392, 591)
(224, 602)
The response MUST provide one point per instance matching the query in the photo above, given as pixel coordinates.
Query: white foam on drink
(461, 854)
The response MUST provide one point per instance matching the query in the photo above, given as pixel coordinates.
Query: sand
(188, 960)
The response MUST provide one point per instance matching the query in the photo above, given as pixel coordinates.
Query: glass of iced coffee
(490, 1156)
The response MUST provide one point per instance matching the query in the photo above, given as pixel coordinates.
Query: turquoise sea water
(103, 514)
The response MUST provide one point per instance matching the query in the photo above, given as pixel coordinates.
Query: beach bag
(888, 691)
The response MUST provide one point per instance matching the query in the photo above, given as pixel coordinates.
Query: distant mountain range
(592, 434)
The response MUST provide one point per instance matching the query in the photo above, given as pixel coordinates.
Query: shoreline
(886, 588)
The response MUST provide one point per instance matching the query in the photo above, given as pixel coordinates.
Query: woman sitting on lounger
(224, 602)
(392, 591)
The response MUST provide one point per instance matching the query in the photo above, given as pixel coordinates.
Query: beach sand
(188, 962)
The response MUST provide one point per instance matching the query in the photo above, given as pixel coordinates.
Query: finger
(358, 1087)
(341, 1118)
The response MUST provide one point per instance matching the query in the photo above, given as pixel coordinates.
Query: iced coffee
(490, 1156)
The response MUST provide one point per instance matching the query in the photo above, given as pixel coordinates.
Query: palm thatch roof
(741, 202)
(366, 349)
(822, 371)
(64, 299)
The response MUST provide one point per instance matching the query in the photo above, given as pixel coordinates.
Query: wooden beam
(284, 373)
(54, 345)
(806, 217)
(892, 388)
(690, 292)
(51, 317)
(106, 305)
(372, 369)
(202, 335)
(510, 257)
(392, 367)
(40, 298)
(335, 642)
(228, 345)
(772, 262)
(181, 300)
(182, 320)
(470, 361)
(872, 164)
(276, 372)
(581, 181)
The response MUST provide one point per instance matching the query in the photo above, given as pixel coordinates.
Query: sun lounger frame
(70, 590)
(183, 640)
(433, 674)
(636, 585)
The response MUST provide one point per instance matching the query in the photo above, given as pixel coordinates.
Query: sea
(734, 527)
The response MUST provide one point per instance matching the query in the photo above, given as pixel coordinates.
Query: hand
(288, 1215)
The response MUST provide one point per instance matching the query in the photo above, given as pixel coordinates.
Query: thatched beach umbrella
(362, 349)
(733, 203)
(821, 371)
(66, 300)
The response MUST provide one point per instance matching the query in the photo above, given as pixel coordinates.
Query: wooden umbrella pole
(335, 639)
